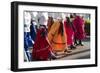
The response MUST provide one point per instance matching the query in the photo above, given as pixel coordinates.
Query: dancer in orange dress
(57, 37)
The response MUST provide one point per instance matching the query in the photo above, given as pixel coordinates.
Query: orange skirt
(58, 47)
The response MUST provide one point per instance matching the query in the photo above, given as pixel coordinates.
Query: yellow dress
(57, 41)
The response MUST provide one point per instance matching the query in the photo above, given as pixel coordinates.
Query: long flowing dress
(79, 27)
(70, 33)
(57, 41)
(41, 48)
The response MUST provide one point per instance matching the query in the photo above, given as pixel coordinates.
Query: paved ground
(81, 52)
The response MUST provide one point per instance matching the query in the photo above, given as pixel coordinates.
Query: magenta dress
(41, 48)
(69, 33)
(79, 28)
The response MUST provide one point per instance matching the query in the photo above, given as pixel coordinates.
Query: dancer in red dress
(80, 32)
(70, 32)
(41, 48)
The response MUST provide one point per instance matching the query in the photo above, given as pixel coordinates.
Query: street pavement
(81, 52)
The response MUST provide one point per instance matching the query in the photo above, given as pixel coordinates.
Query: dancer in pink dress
(79, 27)
(70, 32)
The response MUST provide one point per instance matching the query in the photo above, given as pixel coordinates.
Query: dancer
(57, 37)
(41, 49)
(70, 32)
(80, 32)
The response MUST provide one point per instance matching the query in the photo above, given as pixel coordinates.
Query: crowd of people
(56, 38)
